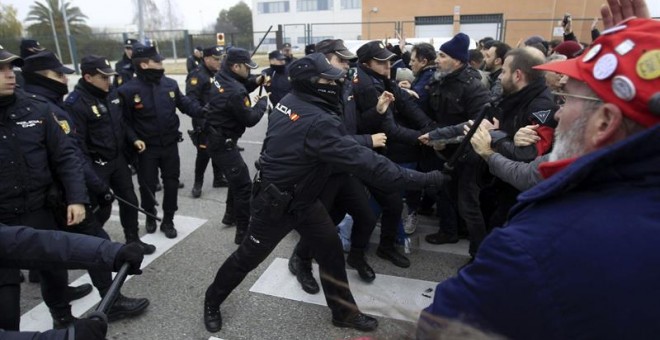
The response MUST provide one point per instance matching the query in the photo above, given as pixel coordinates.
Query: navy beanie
(457, 47)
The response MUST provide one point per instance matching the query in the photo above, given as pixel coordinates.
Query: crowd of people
(544, 155)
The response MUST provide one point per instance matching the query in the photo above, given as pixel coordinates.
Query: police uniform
(279, 78)
(192, 62)
(304, 142)
(124, 67)
(149, 103)
(32, 144)
(102, 136)
(198, 88)
(230, 113)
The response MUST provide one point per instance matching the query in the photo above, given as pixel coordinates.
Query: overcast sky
(116, 15)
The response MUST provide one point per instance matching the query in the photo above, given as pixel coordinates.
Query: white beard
(569, 144)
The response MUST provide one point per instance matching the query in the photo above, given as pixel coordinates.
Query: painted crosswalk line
(39, 319)
(409, 296)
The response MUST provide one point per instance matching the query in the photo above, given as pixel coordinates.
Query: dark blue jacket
(279, 82)
(56, 107)
(125, 71)
(230, 108)
(99, 124)
(31, 144)
(27, 248)
(349, 113)
(403, 122)
(198, 88)
(306, 141)
(578, 258)
(150, 109)
(421, 86)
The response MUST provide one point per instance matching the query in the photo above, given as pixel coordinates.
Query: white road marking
(376, 298)
(39, 319)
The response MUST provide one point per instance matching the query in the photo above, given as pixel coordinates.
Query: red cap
(622, 67)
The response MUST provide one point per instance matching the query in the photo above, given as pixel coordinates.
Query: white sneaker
(410, 225)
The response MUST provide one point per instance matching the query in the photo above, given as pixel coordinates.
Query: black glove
(132, 254)
(106, 198)
(436, 179)
(89, 329)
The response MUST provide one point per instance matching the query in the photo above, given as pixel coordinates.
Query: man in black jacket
(456, 96)
(230, 112)
(149, 103)
(33, 145)
(198, 87)
(304, 142)
(24, 247)
(124, 67)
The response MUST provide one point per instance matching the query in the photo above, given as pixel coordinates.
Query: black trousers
(117, 175)
(265, 232)
(53, 282)
(101, 279)
(391, 204)
(165, 158)
(201, 162)
(226, 155)
(342, 194)
(465, 188)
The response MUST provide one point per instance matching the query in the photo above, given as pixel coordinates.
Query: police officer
(41, 72)
(149, 103)
(195, 59)
(198, 86)
(278, 86)
(230, 112)
(288, 53)
(31, 148)
(124, 67)
(304, 142)
(24, 247)
(102, 135)
(28, 47)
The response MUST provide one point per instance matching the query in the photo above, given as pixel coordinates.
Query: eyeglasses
(570, 95)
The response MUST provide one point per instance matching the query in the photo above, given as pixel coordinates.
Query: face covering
(39, 80)
(329, 93)
(151, 75)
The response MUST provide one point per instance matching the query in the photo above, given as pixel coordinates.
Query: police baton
(137, 208)
(108, 300)
(449, 165)
(261, 87)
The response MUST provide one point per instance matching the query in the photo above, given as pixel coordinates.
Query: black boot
(147, 248)
(357, 261)
(212, 317)
(228, 219)
(167, 226)
(125, 307)
(197, 190)
(75, 293)
(62, 317)
(358, 321)
(392, 255)
(303, 271)
(150, 223)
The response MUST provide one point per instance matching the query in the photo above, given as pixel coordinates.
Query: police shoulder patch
(65, 126)
(246, 101)
(542, 116)
(193, 81)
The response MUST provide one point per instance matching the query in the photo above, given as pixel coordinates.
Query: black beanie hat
(457, 47)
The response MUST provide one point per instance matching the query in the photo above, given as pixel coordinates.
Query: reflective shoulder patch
(542, 116)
